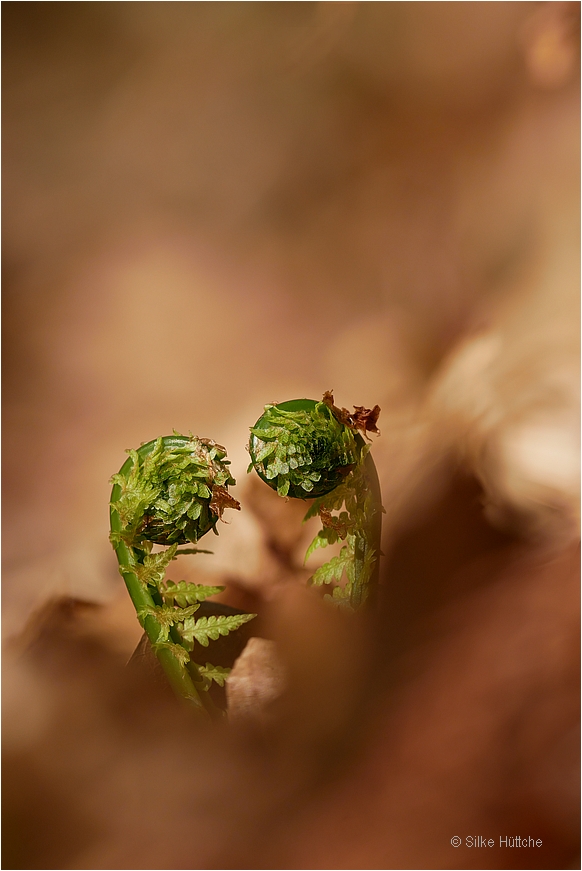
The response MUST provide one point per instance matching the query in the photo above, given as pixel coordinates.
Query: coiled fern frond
(172, 491)
(305, 449)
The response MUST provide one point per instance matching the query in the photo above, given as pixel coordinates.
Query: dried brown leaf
(364, 419)
(328, 521)
(222, 499)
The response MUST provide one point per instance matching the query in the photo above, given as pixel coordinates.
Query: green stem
(368, 539)
(358, 590)
(177, 674)
(375, 527)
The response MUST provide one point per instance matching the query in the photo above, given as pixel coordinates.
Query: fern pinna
(307, 449)
(170, 492)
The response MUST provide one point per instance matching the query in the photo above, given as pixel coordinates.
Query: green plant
(170, 492)
(307, 449)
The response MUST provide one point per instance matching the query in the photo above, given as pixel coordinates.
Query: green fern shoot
(306, 449)
(171, 492)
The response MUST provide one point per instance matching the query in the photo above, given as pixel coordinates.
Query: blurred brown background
(210, 206)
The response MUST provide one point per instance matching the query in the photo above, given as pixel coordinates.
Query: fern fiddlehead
(307, 449)
(172, 491)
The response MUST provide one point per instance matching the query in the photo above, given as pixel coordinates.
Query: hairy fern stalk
(307, 449)
(171, 492)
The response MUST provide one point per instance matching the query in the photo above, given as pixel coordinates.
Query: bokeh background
(210, 206)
